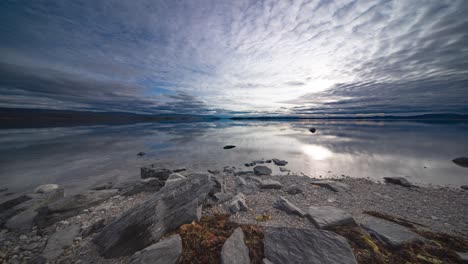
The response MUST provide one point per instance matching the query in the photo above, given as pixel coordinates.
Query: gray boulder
(298, 246)
(240, 181)
(332, 185)
(221, 197)
(45, 188)
(293, 190)
(262, 170)
(174, 178)
(160, 214)
(60, 240)
(238, 203)
(279, 162)
(461, 161)
(152, 172)
(284, 205)
(234, 250)
(389, 233)
(329, 216)
(399, 181)
(464, 187)
(144, 185)
(270, 184)
(166, 251)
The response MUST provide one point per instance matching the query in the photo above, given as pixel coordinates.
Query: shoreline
(434, 208)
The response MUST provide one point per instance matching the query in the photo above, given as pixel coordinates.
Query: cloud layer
(236, 57)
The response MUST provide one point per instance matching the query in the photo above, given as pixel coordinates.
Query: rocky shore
(237, 215)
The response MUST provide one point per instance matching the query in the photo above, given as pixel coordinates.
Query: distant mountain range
(24, 117)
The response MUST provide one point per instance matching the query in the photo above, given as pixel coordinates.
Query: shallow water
(78, 157)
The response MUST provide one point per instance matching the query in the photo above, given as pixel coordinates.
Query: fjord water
(79, 157)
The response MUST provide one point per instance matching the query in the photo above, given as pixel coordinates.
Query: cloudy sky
(239, 57)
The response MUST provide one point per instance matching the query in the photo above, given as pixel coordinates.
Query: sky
(231, 58)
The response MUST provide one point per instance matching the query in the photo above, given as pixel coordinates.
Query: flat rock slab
(60, 240)
(154, 172)
(399, 181)
(167, 251)
(284, 205)
(332, 185)
(270, 184)
(303, 246)
(161, 213)
(390, 234)
(262, 170)
(234, 250)
(329, 216)
(279, 162)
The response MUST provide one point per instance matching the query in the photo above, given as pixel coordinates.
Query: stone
(71, 206)
(174, 178)
(240, 181)
(464, 187)
(60, 240)
(144, 185)
(279, 162)
(332, 185)
(214, 172)
(328, 216)
(268, 161)
(243, 173)
(161, 213)
(217, 185)
(141, 154)
(312, 130)
(45, 188)
(270, 184)
(388, 233)
(284, 205)
(158, 173)
(22, 222)
(95, 227)
(463, 256)
(234, 250)
(181, 169)
(9, 204)
(461, 161)
(282, 169)
(291, 245)
(166, 251)
(293, 190)
(229, 147)
(102, 186)
(238, 203)
(222, 197)
(266, 261)
(399, 181)
(262, 170)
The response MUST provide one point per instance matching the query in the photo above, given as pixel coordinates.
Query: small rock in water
(461, 161)
(262, 170)
(141, 154)
(229, 147)
(312, 130)
(279, 162)
(399, 181)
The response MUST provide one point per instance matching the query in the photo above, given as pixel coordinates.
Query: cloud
(350, 56)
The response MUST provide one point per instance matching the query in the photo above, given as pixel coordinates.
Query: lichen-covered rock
(390, 234)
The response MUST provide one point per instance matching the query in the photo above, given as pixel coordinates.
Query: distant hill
(23, 117)
(414, 117)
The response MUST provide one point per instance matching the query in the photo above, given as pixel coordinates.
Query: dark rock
(214, 172)
(293, 190)
(125, 184)
(284, 205)
(247, 164)
(282, 169)
(329, 216)
(13, 202)
(240, 181)
(312, 130)
(102, 186)
(228, 169)
(249, 188)
(141, 154)
(291, 245)
(390, 234)
(60, 240)
(98, 225)
(238, 203)
(229, 147)
(174, 178)
(243, 173)
(222, 197)
(463, 256)
(258, 161)
(270, 184)
(151, 172)
(399, 181)
(234, 250)
(464, 187)
(71, 206)
(279, 162)
(3, 189)
(268, 161)
(38, 260)
(162, 213)
(166, 251)
(262, 170)
(217, 185)
(332, 185)
(179, 170)
(461, 161)
(144, 185)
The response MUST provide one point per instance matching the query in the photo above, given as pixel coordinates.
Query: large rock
(294, 189)
(60, 240)
(461, 161)
(262, 170)
(174, 178)
(399, 181)
(279, 162)
(270, 184)
(284, 205)
(234, 250)
(332, 185)
(45, 188)
(146, 223)
(152, 172)
(7, 205)
(238, 203)
(167, 251)
(329, 216)
(71, 206)
(390, 234)
(144, 185)
(297, 246)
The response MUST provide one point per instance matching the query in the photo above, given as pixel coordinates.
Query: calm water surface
(78, 157)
